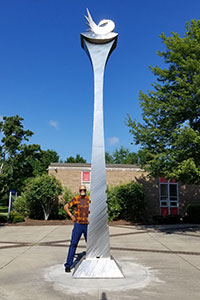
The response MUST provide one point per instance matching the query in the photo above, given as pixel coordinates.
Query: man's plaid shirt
(81, 208)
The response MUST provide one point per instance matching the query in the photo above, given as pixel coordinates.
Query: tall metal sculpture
(98, 42)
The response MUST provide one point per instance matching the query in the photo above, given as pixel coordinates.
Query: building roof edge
(87, 165)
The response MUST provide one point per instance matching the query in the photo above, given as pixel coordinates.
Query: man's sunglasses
(82, 190)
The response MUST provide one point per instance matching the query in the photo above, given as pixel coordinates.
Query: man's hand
(66, 208)
(73, 218)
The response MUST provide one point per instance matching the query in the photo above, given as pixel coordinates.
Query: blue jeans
(76, 235)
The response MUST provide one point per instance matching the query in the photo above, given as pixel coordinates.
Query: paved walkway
(158, 263)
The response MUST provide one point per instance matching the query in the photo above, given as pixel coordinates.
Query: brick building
(163, 197)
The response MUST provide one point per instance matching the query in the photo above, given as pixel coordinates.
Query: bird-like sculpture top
(104, 27)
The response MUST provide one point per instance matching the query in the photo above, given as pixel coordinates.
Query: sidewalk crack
(156, 239)
(14, 258)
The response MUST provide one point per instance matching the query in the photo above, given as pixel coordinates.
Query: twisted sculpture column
(98, 262)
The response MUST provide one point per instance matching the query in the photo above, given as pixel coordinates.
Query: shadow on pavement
(103, 296)
(78, 257)
(174, 228)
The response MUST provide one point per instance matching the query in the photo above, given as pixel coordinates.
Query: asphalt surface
(158, 263)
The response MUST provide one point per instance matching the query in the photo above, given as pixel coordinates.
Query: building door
(168, 197)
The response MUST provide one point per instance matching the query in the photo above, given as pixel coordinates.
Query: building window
(168, 197)
(85, 179)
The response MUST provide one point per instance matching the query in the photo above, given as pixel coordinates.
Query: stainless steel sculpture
(98, 43)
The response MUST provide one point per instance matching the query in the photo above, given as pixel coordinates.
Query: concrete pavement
(158, 263)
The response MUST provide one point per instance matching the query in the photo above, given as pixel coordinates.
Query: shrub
(41, 195)
(15, 217)
(20, 205)
(3, 214)
(18, 218)
(4, 199)
(67, 195)
(126, 201)
(62, 214)
(114, 207)
(3, 219)
(131, 197)
(193, 213)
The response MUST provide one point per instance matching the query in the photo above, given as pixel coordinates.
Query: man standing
(80, 218)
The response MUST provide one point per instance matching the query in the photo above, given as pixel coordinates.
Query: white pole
(10, 201)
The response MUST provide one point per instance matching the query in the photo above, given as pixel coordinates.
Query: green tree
(170, 132)
(131, 199)
(126, 201)
(14, 134)
(143, 157)
(16, 158)
(77, 159)
(109, 158)
(124, 156)
(19, 161)
(120, 155)
(132, 158)
(42, 191)
(46, 158)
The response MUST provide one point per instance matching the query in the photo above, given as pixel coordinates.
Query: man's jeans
(76, 235)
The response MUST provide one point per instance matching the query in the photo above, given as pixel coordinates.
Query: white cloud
(1, 118)
(53, 123)
(113, 140)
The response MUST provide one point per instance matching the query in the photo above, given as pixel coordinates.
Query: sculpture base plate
(97, 268)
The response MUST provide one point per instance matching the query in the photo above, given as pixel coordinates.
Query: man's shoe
(67, 269)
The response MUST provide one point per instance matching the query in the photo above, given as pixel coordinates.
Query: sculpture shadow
(78, 257)
(103, 296)
(186, 229)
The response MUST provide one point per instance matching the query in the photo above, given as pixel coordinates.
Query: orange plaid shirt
(81, 208)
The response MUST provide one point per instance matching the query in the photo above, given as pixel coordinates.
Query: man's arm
(66, 208)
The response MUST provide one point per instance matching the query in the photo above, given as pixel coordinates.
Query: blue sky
(46, 77)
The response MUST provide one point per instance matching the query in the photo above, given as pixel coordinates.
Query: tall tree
(109, 158)
(77, 159)
(19, 161)
(13, 134)
(170, 132)
(124, 156)
(47, 157)
(132, 158)
(16, 158)
(120, 155)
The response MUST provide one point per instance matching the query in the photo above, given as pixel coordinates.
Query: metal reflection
(98, 45)
(104, 26)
